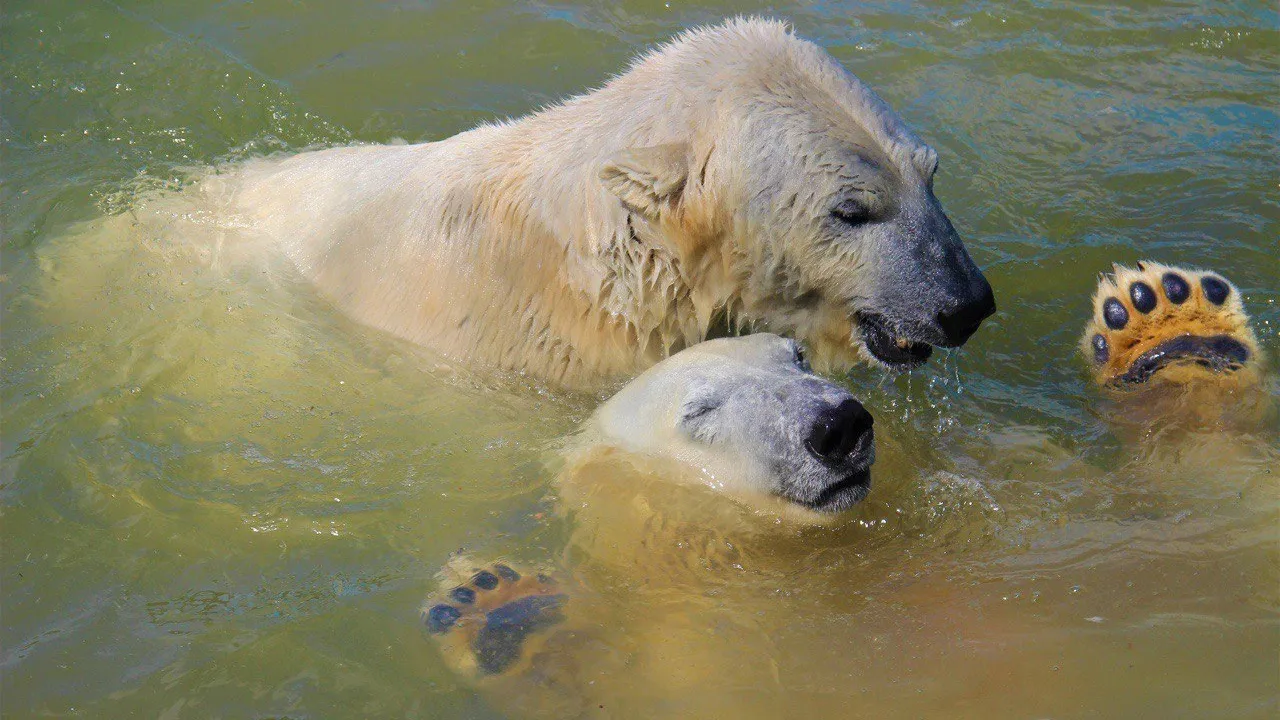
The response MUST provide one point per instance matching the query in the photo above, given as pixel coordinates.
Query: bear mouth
(888, 346)
(1216, 353)
(843, 493)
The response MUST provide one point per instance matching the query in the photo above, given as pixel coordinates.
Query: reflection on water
(222, 498)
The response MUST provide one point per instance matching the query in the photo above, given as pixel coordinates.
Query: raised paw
(487, 623)
(1169, 323)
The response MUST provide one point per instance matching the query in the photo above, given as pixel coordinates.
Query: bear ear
(648, 180)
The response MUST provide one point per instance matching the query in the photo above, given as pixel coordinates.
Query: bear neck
(622, 295)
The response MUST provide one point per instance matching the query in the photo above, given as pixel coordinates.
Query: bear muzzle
(960, 321)
(840, 430)
(842, 442)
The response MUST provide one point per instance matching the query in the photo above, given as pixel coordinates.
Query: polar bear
(737, 177)
(645, 483)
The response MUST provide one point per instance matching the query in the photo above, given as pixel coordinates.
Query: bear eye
(694, 410)
(852, 212)
(699, 403)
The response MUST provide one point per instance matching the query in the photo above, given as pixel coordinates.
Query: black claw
(1143, 297)
(485, 580)
(442, 617)
(1215, 289)
(1101, 351)
(1114, 314)
(506, 573)
(464, 595)
(1175, 288)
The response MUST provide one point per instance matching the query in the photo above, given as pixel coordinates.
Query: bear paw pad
(1165, 321)
(491, 617)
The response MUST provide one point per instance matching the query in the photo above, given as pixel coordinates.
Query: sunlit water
(221, 498)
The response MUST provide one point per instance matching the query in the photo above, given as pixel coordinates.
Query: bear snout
(838, 431)
(960, 321)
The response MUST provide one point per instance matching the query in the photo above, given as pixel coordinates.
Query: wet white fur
(511, 244)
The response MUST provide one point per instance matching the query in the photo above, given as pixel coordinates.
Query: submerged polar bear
(742, 416)
(737, 177)
(534, 640)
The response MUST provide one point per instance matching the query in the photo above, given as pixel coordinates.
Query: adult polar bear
(737, 175)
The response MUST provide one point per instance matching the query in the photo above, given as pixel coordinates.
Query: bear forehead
(792, 87)
(826, 139)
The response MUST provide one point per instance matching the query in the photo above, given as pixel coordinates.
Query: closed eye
(699, 404)
(696, 421)
(694, 411)
(697, 413)
(852, 212)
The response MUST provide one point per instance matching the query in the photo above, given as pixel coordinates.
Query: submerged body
(737, 177)
(529, 638)
(645, 483)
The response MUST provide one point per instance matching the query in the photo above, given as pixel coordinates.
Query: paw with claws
(1158, 322)
(489, 623)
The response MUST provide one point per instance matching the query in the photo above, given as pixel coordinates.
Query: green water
(222, 499)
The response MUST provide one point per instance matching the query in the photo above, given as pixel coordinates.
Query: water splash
(926, 397)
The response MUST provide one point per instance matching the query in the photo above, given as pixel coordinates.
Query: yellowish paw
(1171, 324)
(487, 624)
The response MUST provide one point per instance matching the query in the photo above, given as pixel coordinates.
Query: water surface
(221, 498)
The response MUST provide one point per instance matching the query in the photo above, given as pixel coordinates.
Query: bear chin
(840, 495)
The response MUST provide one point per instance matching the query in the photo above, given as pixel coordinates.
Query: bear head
(750, 415)
(803, 205)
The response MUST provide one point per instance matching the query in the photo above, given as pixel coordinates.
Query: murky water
(221, 498)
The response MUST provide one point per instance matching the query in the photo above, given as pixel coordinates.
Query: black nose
(839, 430)
(962, 321)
